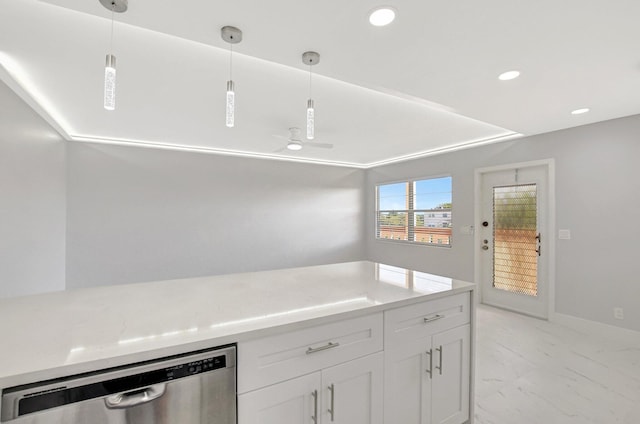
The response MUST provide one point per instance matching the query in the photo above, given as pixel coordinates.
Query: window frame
(411, 212)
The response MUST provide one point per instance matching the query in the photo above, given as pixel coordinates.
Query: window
(417, 211)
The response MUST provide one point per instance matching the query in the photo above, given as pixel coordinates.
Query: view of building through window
(415, 211)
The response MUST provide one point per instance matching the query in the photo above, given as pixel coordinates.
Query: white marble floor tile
(530, 371)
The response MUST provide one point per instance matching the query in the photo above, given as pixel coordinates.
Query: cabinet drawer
(276, 358)
(424, 319)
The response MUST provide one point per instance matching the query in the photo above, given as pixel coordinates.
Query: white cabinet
(280, 357)
(450, 377)
(427, 365)
(349, 393)
(352, 392)
(408, 365)
(325, 374)
(287, 402)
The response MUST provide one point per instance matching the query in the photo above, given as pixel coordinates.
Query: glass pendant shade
(231, 100)
(110, 83)
(310, 119)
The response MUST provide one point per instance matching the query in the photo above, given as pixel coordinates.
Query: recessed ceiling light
(580, 111)
(506, 76)
(382, 16)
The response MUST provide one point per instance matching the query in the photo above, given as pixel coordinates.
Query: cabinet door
(407, 383)
(352, 392)
(450, 384)
(289, 402)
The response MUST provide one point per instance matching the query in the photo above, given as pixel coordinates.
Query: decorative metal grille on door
(515, 239)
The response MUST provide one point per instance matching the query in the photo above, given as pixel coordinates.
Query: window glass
(417, 211)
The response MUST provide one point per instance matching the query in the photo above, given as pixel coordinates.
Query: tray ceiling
(424, 84)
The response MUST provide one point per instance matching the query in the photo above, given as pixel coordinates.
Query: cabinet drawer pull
(434, 318)
(329, 345)
(440, 366)
(430, 370)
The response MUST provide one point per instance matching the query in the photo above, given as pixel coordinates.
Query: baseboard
(597, 328)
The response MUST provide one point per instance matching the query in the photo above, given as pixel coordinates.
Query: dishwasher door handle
(135, 397)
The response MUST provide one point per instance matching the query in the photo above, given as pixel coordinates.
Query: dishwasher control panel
(196, 367)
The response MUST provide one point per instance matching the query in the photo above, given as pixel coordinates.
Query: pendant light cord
(230, 62)
(113, 6)
(310, 87)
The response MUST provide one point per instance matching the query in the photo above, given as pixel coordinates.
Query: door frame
(549, 165)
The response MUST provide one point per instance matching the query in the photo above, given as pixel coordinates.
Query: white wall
(32, 201)
(597, 198)
(138, 214)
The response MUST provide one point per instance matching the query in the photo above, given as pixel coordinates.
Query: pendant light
(231, 35)
(310, 58)
(119, 6)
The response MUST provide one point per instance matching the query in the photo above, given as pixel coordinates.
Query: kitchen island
(313, 323)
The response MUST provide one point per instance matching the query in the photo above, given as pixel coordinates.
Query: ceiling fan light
(294, 145)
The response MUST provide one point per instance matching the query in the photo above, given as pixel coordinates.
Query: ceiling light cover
(580, 111)
(294, 145)
(382, 16)
(506, 76)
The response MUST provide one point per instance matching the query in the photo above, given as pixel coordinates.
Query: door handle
(539, 248)
(430, 370)
(439, 367)
(332, 410)
(314, 417)
(136, 397)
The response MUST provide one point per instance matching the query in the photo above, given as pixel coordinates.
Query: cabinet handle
(440, 366)
(430, 353)
(332, 409)
(434, 318)
(314, 417)
(329, 345)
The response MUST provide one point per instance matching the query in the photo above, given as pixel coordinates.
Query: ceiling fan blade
(321, 145)
(280, 136)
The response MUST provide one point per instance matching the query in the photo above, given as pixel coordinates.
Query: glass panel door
(513, 242)
(515, 239)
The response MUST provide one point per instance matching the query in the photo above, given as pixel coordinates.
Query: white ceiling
(426, 83)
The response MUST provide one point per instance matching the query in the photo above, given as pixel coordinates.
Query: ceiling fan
(295, 142)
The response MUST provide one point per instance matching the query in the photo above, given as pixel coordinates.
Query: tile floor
(530, 371)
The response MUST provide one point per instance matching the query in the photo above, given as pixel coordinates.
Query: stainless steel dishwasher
(196, 388)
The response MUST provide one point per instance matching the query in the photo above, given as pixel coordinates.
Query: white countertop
(52, 335)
